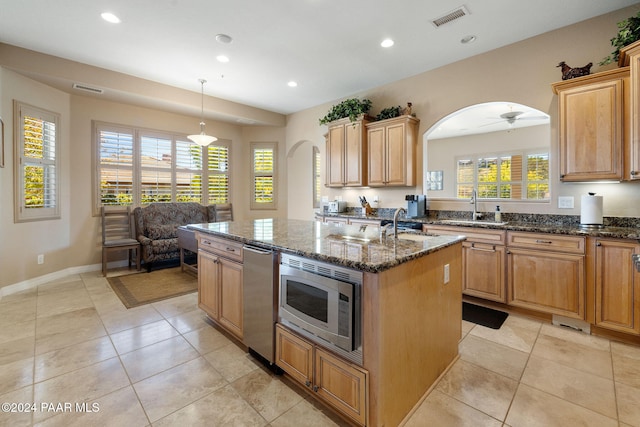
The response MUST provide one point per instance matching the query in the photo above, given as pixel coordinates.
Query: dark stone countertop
(350, 246)
(616, 228)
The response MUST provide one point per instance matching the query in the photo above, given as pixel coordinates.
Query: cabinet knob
(315, 388)
(307, 383)
(599, 244)
(634, 173)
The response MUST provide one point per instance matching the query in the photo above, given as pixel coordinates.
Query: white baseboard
(41, 280)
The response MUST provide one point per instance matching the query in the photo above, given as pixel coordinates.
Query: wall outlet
(41, 259)
(375, 199)
(446, 274)
(565, 202)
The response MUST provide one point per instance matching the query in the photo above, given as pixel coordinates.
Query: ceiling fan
(512, 116)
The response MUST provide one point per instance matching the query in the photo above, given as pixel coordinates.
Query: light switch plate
(565, 202)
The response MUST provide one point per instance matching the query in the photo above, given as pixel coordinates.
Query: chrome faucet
(383, 232)
(395, 221)
(474, 200)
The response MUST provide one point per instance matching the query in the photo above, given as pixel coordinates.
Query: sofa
(157, 228)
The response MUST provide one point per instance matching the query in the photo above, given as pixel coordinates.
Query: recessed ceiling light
(223, 38)
(292, 84)
(222, 58)
(110, 17)
(387, 43)
(468, 39)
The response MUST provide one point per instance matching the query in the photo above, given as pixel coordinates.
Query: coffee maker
(416, 205)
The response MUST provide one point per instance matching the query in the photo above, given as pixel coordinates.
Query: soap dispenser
(498, 217)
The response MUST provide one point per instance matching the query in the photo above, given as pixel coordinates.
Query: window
(137, 167)
(37, 173)
(504, 176)
(263, 167)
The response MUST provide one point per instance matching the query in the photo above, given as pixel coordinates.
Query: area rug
(144, 288)
(483, 316)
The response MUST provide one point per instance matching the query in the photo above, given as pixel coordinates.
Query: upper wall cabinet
(346, 153)
(594, 125)
(630, 56)
(392, 151)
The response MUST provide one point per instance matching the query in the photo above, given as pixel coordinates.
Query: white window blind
(263, 161)
(116, 167)
(317, 182)
(218, 168)
(37, 174)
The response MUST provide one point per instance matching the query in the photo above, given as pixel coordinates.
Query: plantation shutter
(263, 167)
(155, 168)
(37, 172)
(218, 172)
(188, 172)
(115, 167)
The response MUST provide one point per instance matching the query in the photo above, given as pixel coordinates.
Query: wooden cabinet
(220, 282)
(483, 261)
(341, 384)
(617, 286)
(593, 125)
(630, 55)
(392, 151)
(546, 273)
(346, 153)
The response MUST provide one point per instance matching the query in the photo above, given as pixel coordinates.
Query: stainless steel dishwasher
(259, 300)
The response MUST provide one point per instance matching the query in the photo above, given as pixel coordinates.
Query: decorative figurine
(407, 111)
(569, 73)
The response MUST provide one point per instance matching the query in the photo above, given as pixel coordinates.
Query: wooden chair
(224, 212)
(116, 235)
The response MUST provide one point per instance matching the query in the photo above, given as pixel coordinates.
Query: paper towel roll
(591, 210)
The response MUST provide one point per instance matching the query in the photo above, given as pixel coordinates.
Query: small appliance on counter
(337, 206)
(416, 205)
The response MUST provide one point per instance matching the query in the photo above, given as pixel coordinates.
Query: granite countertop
(618, 228)
(352, 246)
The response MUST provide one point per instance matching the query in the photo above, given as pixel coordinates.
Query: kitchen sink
(355, 239)
(412, 236)
(470, 222)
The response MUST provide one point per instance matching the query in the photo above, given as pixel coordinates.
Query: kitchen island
(411, 312)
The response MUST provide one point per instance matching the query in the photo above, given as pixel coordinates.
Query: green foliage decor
(352, 108)
(389, 113)
(628, 32)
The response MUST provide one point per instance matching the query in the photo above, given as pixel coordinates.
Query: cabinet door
(376, 156)
(396, 155)
(550, 282)
(617, 286)
(342, 385)
(208, 299)
(335, 156)
(591, 131)
(484, 271)
(355, 145)
(294, 355)
(230, 274)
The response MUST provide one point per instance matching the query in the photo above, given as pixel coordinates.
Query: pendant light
(202, 138)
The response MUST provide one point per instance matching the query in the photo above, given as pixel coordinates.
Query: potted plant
(628, 32)
(389, 113)
(352, 108)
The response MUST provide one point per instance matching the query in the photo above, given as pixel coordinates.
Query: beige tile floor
(74, 351)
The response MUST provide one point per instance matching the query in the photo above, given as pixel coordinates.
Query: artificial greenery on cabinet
(628, 32)
(352, 108)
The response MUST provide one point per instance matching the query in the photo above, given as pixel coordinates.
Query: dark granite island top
(351, 246)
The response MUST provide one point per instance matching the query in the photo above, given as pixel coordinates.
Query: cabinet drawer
(221, 247)
(473, 234)
(569, 244)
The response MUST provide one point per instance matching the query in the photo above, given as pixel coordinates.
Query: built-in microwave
(322, 302)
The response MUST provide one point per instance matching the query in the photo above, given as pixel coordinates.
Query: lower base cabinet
(340, 384)
(617, 286)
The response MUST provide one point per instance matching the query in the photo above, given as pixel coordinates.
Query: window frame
(523, 182)
(21, 212)
(137, 167)
(254, 204)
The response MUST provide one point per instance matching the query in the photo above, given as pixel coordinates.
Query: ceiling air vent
(451, 16)
(88, 88)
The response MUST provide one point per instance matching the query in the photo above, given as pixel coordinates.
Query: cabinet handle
(493, 249)
(315, 388)
(546, 242)
(634, 173)
(230, 249)
(307, 383)
(206, 242)
(598, 243)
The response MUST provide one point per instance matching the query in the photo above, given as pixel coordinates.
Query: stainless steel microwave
(322, 301)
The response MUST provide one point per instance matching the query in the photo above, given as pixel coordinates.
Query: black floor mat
(483, 316)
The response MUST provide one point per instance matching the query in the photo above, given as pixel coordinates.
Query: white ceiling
(330, 47)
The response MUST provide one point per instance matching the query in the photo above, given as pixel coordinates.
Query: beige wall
(521, 73)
